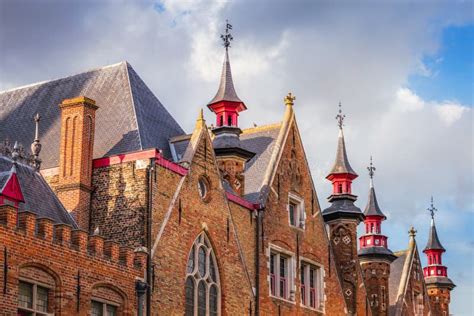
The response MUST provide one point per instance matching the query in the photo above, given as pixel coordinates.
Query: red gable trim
(12, 189)
(144, 154)
(241, 201)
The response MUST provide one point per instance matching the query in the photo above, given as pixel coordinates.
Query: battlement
(63, 235)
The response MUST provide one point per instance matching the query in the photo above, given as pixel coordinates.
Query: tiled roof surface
(341, 164)
(396, 271)
(261, 141)
(129, 117)
(372, 208)
(39, 198)
(433, 240)
(226, 91)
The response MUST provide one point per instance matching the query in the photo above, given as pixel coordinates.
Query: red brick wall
(106, 271)
(376, 275)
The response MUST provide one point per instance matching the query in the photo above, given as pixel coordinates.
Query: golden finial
(200, 120)
(412, 232)
(289, 99)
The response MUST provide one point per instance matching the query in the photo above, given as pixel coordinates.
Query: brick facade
(53, 256)
(376, 274)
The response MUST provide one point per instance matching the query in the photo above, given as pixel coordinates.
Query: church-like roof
(226, 91)
(38, 196)
(341, 165)
(129, 117)
(433, 240)
(372, 208)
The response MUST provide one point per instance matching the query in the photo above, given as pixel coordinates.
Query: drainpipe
(149, 265)
(260, 210)
(141, 289)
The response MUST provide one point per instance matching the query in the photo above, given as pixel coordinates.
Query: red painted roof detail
(12, 189)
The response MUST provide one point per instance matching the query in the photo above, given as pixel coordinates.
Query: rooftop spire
(372, 208)
(226, 91)
(289, 99)
(341, 165)
(433, 240)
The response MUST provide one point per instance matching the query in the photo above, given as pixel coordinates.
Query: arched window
(202, 286)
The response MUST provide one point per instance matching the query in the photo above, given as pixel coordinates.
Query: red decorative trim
(241, 201)
(144, 154)
(12, 189)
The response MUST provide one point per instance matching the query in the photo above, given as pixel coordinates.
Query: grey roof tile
(341, 165)
(129, 117)
(372, 208)
(433, 240)
(39, 198)
(226, 91)
(396, 271)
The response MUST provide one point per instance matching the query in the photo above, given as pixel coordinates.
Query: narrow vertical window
(283, 276)
(311, 285)
(272, 274)
(280, 275)
(202, 289)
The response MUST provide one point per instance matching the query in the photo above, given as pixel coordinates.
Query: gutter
(149, 264)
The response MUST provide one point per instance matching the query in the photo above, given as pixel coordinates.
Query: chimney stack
(75, 158)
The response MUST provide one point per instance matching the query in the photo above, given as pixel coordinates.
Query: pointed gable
(130, 118)
(10, 186)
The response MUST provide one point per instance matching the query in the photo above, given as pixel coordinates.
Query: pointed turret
(341, 176)
(230, 154)
(436, 274)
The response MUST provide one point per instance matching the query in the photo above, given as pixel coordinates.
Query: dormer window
(296, 212)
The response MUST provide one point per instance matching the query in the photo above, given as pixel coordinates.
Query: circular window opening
(203, 188)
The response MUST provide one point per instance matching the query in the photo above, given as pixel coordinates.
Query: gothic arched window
(202, 286)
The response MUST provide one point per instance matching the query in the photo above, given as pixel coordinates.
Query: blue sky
(403, 71)
(449, 71)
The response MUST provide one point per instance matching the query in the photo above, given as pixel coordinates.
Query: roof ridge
(57, 79)
(261, 128)
(126, 64)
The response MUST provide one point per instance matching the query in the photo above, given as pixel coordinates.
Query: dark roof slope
(226, 90)
(396, 271)
(129, 117)
(341, 165)
(433, 240)
(372, 208)
(39, 198)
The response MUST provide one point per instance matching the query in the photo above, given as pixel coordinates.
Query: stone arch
(108, 293)
(42, 275)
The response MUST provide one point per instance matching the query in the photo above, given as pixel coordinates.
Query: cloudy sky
(402, 70)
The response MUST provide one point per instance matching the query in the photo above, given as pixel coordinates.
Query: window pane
(41, 299)
(272, 263)
(189, 297)
(190, 267)
(202, 262)
(25, 295)
(213, 301)
(97, 309)
(212, 269)
(312, 276)
(111, 310)
(292, 209)
(201, 299)
(282, 267)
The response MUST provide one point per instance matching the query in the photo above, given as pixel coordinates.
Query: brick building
(116, 209)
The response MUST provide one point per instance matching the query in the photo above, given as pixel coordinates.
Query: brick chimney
(75, 157)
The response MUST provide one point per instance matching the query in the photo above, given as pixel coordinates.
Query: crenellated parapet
(62, 235)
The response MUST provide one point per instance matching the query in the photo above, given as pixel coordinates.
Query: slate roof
(396, 271)
(433, 240)
(226, 91)
(341, 165)
(129, 117)
(372, 208)
(259, 140)
(39, 198)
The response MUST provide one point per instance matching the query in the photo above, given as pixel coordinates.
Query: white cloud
(450, 112)
(406, 100)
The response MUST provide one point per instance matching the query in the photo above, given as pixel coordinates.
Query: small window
(203, 188)
(339, 188)
(32, 299)
(280, 279)
(296, 212)
(103, 309)
(311, 285)
(229, 120)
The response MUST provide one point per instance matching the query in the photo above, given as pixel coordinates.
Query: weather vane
(432, 209)
(227, 37)
(340, 117)
(371, 169)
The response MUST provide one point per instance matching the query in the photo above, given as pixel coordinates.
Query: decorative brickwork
(376, 274)
(76, 152)
(74, 268)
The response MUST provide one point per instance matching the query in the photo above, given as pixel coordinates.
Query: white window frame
(300, 216)
(320, 285)
(291, 270)
(35, 285)
(105, 303)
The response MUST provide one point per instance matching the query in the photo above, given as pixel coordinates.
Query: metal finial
(412, 232)
(371, 169)
(340, 117)
(16, 152)
(432, 209)
(227, 37)
(289, 99)
(36, 145)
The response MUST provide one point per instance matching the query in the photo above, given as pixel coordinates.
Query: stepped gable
(259, 140)
(38, 196)
(130, 118)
